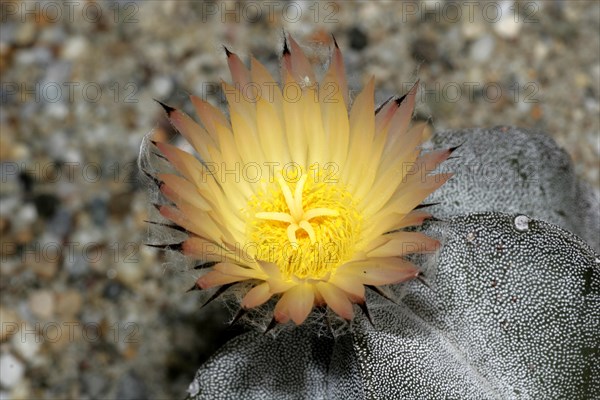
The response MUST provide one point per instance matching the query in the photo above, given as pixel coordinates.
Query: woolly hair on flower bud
(301, 248)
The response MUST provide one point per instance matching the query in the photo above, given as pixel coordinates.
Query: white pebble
(12, 370)
(162, 86)
(27, 214)
(75, 48)
(57, 110)
(522, 223)
(27, 343)
(129, 272)
(483, 48)
(508, 27)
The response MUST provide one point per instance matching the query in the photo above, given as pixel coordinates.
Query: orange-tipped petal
(239, 101)
(384, 116)
(258, 295)
(402, 243)
(362, 131)
(413, 218)
(276, 283)
(336, 299)
(301, 69)
(294, 126)
(336, 125)
(194, 134)
(239, 72)
(178, 189)
(349, 284)
(216, 278)
(185, 163)
(429, 162)
(235, 269)
(381, 271)
(295, 304)
(337, 65)
(210, 116)
(181, 219)
(401, 120)
(262, 77)
(270, 131)
(411, 194)
(204, 249)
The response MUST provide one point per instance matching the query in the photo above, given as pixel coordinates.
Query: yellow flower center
(306, 226)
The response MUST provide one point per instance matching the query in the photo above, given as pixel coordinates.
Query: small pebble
(27, 343)
(508, 27)
(522, 223)
(482, 49)
(129, 273)
(26, 33)
(61, 222)
(78, 265)
(58, 110)
(26, 215)
(75, 48)
(131, 387)
(44, 263)
(98, 210)
(113, 289)
(94, 383)
(5, 225)
(358, 39)
(36, 55)
(68, 304)
(41, 303)
(9, 323)
(162, 86)
(119, 204)
(424, 49)
(472, 29)
(46, 204)
(12, 370)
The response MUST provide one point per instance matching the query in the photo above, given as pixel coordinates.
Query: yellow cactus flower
(297, 193)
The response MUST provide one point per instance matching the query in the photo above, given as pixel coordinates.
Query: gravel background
(87, 311)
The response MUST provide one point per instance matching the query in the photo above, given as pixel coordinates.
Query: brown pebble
(43, 264)
(41, 303)
(120, 204)
(68, 304)
(9, 323)
(4, 226)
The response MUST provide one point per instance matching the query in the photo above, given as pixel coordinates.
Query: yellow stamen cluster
(305, 225)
